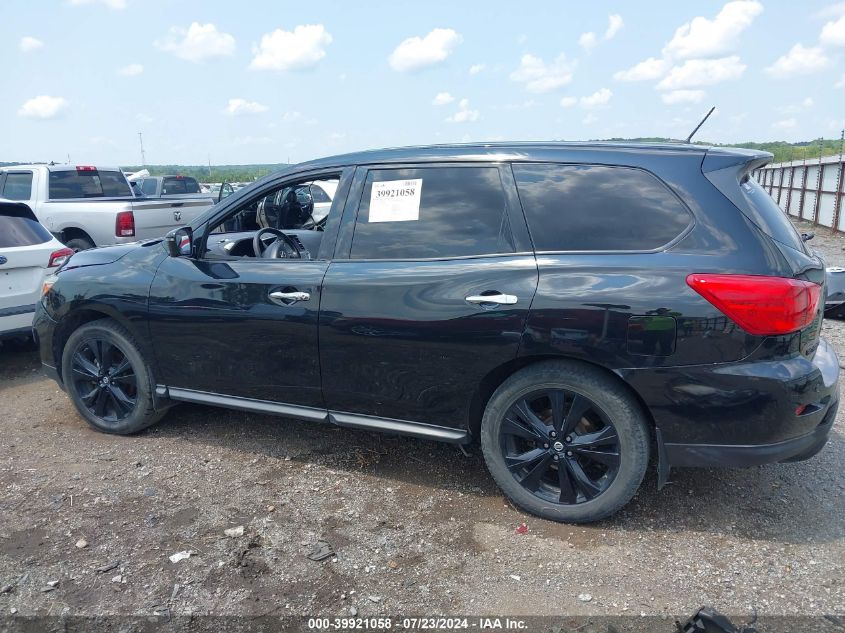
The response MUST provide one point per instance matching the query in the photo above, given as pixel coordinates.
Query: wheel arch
(498, 375)
(72, 232)
(78, 317)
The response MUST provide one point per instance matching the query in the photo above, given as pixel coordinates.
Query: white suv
(27, 252)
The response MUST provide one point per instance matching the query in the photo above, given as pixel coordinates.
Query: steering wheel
(283, 246)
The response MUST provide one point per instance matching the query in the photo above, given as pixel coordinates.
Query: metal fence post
(818, 204)
(840, 178)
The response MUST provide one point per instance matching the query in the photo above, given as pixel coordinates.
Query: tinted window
(767, 215)
(462, 212)
(148, 187)
(596, 208)
(319, 195)
(88, 184)
(172, 186)
(18, 186)
(20, 231)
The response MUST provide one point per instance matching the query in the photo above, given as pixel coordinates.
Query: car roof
(500, 151)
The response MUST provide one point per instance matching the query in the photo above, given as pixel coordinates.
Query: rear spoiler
(740, 161)
(16, 210)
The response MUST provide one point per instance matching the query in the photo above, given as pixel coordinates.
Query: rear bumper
(742, 414)
(45, 328)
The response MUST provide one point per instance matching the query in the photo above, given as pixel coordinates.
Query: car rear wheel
(565, 441)
(108, 380)
(79, 244)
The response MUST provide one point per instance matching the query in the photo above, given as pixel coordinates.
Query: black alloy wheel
(560, 446)
(104, 380)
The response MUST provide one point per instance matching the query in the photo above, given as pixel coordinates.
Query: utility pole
(141, 141)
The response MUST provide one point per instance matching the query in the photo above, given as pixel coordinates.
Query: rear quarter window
(598, 208)
(768, 216)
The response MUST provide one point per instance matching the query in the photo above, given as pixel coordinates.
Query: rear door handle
(501, 299)
(290, 297)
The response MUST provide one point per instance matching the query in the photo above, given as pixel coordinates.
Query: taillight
(59, 257)
(124, 225)
(85, 168)
(766, 306)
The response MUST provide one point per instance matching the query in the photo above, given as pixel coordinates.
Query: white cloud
(131, 70)
(651, 68)
(538, 76)
(597, 99)
(442, 98)
(682, 96)
(706, 38)
(252, 140)
(808, 102)
(840, 83)
(831, 11)
(785, 124)
(291, 116)
(418, 52)
(42, 107)
(242, 106)
(476, 68)
(797, 107)
(800, 60)
(568, 102)
(198, 43)
(111, 4)
(29, 44)
(614, 25)
(833, 33)
(301, 48)
(702, 72)
(464, 113)
(588, 41)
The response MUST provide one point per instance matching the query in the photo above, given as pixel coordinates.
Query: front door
(433, 295)
(234, 324)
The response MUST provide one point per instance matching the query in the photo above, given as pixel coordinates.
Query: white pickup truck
(85, 206)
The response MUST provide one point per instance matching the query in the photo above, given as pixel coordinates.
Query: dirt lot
(417, 527)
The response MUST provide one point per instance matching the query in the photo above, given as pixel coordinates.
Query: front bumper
(742, 414)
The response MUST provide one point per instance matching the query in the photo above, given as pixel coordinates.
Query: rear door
(428, 293)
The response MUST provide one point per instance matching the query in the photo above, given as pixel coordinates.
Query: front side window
(598, 208)
(18, 186)
(432, 212)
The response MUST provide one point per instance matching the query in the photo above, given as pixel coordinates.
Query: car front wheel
(565, 441)
(108, 379)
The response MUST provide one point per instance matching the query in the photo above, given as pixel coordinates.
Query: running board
(313, 414)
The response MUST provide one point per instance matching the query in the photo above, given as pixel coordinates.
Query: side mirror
(180, 242)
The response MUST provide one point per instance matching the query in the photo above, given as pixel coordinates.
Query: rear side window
(18, 186)
(172, 186)
(432, 212)
(88, 184)
(598, 208)
(21, 231)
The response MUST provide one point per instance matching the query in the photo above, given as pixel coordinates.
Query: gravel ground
(88, 523)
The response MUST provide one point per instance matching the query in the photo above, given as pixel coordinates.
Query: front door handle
(290, 297)
(501, 299)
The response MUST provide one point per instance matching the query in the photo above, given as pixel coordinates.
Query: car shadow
(781, 503)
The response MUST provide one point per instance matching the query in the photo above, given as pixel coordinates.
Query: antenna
(141, 141)
(706, 116)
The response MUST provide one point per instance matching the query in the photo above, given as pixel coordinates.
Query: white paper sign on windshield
(395, 201)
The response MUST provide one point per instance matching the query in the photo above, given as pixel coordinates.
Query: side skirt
(313, 414)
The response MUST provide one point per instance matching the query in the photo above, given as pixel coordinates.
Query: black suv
(578, 309)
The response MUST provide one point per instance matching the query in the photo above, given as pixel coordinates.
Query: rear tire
(108, 380)
(565, 441)
(79, 244)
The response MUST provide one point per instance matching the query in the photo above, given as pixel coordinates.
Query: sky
(278, 81)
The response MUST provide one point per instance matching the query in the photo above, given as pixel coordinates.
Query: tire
(836, 312)
(108, 380)
(79, 244)
(596, 460)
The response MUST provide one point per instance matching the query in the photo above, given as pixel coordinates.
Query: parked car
(27, 251)
(86, 206)
(577, 309)
(172, 187)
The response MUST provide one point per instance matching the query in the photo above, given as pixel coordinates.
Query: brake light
(59, 257)
(124, 224)
(85, 168)
(765, 306)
